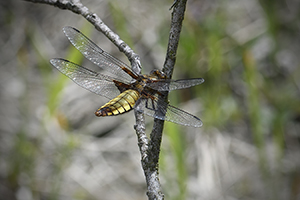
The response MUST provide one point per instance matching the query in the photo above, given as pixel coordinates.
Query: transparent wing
(162, 110)
(97, 83)
(168, 85)
(96, 55)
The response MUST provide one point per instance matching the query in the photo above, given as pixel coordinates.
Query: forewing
(96, 55)
(95, 82)
(163, 111)
(168, 85)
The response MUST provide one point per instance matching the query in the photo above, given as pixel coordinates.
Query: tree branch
(150, 164)
(176, 24)
(77, 7)
(149, 149)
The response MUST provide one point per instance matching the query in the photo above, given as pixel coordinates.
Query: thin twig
(77, 7)
(152, 171)
(176, 24)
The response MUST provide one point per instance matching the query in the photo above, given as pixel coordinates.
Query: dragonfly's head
(158, 74)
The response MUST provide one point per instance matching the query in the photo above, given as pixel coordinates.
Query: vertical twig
(152, 170)
(176, 24)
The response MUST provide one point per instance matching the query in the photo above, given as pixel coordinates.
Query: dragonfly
(126, 89)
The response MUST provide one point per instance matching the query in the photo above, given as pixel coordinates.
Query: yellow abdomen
(124, 102)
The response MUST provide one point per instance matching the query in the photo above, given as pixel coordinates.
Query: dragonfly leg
(150, 107)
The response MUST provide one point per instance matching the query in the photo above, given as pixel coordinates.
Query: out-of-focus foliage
(53, 147)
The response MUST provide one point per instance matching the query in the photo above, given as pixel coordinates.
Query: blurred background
(53, 147)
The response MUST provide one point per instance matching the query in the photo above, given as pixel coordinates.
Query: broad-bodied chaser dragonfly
(124, 87)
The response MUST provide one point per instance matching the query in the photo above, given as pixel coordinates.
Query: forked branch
(149, 149)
